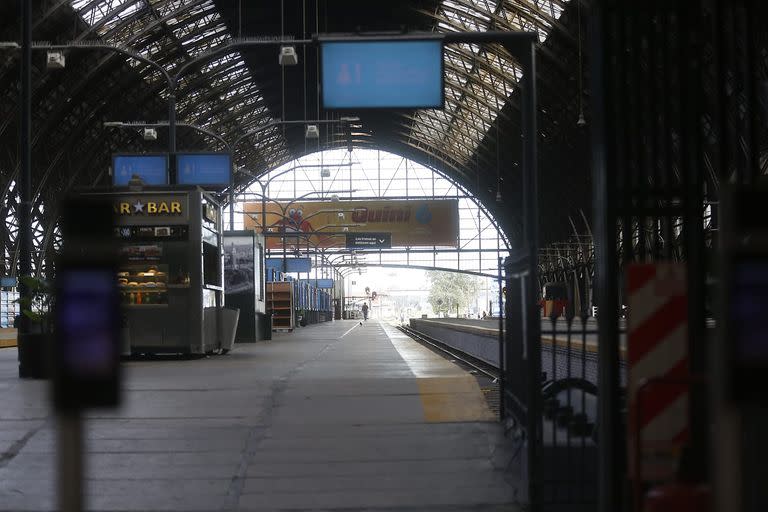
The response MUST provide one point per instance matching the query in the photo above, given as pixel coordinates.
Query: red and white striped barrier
(657, 368)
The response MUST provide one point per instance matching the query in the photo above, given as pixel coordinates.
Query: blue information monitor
(382, 74)
(322, 283)
(291, 264)
(205, 169)
(152, 169)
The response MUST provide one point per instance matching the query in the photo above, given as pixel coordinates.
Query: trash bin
(268, 326)
(229, 317)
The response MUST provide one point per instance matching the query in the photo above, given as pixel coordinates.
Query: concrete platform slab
(332, 417)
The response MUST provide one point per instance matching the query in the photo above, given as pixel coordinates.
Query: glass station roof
(222, 95)
(479, 80)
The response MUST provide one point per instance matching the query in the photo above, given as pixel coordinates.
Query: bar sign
(369, 240)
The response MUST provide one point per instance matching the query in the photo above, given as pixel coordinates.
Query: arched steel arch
(415, 267)
(231, 95)
(433, 167)
(477, 255)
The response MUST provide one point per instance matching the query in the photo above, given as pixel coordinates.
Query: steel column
(610, 447)
(25, 147)
(172, 116)
(530, 306)
(502, 365)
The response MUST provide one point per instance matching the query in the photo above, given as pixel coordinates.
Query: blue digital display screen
(213, 169)
(291, 264)
(747, 308)
(87, 321)
(152, 169)
(382, 74)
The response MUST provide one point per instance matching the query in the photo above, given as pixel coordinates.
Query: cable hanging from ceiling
(581, 121)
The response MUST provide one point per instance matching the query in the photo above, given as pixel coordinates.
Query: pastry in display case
(142, 284)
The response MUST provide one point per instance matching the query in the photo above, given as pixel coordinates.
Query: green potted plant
(34, 344)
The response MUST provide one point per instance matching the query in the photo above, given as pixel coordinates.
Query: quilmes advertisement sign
(416, 223)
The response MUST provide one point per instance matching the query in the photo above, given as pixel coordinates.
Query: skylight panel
(467, 117)
(165, 7)
(94, 13)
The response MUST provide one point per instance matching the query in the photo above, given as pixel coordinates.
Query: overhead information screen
(382, 74)
(204, 169)
(152, 169)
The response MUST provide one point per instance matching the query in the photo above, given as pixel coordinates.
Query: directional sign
(369, 240)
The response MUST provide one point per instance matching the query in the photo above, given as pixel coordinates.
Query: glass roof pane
(172, 32)
(489, 92)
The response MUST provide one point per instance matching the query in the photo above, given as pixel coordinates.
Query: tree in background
(449, 290)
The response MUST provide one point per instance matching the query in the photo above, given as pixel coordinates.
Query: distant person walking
(365, 311)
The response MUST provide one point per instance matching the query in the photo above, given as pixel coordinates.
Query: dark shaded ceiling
(475, 140)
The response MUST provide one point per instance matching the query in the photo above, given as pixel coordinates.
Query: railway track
(467, 359)
(569, 399)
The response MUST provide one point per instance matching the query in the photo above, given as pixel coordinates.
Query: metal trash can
(267, 326)
(229, 318)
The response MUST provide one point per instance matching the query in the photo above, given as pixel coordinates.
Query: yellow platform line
(448, 393)
(7, 343)
(7, 337)
(453, 399)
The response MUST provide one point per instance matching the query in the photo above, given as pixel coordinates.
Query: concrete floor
(333, 417)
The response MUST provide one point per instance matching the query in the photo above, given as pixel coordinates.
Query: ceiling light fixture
(288, 56)
(312, 132)
(56, 60)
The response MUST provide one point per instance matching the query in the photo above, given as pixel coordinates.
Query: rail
(475, 363)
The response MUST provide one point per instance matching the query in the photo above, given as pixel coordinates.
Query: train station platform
(337, 416)
(7, 338)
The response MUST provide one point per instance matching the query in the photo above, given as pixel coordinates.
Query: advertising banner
(411, 223)
(240, 265)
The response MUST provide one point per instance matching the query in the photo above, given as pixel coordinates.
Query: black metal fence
(558, 397)
(678, 105)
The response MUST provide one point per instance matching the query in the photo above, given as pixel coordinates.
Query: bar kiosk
(171, 271)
